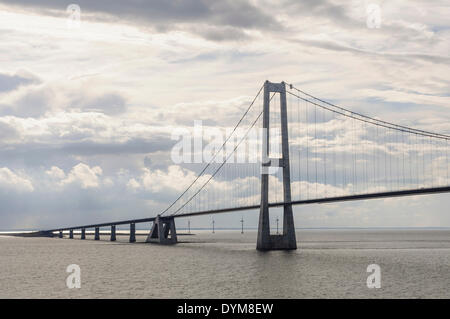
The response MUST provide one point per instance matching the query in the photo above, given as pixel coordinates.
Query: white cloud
(12, 181)
(56, 172)
(83, 175)
(174, 179)
(133, 184)
(108, 182)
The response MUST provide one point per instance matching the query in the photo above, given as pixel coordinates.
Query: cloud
(52, 97)
(329, 45)
(56, 172)
(168, 15)
(337, 14)
(8, 132)
(133, 184)
(12, 181)
(29, 102)
(84, 176)
(219, 34)
(65, 134)
(109, 103)
(175, 179)
(10, 82)
(34, 103)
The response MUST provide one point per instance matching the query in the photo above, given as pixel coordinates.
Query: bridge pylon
(286, 240)
(163, 231)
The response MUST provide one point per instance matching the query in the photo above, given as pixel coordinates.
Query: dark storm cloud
(164, 15)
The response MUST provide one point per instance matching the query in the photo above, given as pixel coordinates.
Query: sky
(89, 99)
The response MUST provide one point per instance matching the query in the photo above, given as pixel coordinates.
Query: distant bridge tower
(163, 231)
(287, 239)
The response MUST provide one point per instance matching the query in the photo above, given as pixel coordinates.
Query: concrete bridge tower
(287, 239)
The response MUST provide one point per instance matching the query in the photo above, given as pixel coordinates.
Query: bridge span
(326, 154)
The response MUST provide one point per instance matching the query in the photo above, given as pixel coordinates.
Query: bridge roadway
(421, 191)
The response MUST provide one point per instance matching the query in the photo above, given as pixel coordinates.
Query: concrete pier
(132, 232)
(83, 233)
(60, 234)
(97, 233)
(113, 232)
(71, 234)
(287, 240)
(163, 231)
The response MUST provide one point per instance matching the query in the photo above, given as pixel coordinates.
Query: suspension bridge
(291, 148)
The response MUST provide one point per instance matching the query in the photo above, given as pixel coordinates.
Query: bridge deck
(421, 191)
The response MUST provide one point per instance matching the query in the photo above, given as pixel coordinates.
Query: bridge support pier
(83, 233)
(132, 232)
(113, 232)
(287, 239)
(71, 234)
(60, 234)
(97, 233)
(163, 231)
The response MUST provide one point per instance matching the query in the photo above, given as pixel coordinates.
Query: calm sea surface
(328, 264)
